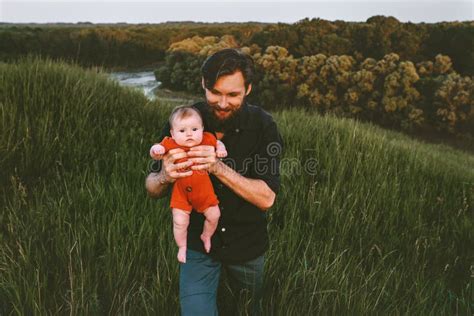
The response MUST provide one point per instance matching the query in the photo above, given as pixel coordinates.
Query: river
(143, 80)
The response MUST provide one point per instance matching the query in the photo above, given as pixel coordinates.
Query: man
(246, 183)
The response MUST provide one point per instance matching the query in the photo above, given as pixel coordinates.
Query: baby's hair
(182, 112)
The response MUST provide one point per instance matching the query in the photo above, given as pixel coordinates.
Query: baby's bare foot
(182, 254)
(207, 242)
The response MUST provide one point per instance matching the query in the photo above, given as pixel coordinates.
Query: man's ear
(249, 88)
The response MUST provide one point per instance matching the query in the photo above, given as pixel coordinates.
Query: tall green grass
(367, 221)
(384, 225)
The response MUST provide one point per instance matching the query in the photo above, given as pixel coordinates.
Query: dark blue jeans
(199, 280)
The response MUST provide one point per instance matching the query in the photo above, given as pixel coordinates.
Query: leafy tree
(454, 100)
(276, 74)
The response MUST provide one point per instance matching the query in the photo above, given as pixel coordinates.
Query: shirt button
(189, 189)
(237, 130)
(221, 185)
(223, 229)
(222, 208)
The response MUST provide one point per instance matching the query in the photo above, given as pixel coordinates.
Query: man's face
(227, 95)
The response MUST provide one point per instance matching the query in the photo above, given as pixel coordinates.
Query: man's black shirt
(254, 147)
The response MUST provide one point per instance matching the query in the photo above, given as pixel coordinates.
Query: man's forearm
(155, 185)
(254, 191)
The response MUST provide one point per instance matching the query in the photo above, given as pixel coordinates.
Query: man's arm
(156, 185)
(261, 187)
(254, 191)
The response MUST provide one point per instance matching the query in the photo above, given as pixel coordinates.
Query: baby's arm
(157, 151)
(220, 149)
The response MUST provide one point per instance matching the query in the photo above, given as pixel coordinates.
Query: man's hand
(171, 171)
(157, 184)
(204, 157)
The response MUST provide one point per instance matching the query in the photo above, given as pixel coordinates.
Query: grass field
(367, 221)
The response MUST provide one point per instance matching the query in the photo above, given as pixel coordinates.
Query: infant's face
(188, 131)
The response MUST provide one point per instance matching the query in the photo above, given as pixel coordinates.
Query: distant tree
(276, 75)
(400, 95)
(455, 40)
(181, 72)
(203, 45)
(454, 101)
(279, 34)
(381, 35)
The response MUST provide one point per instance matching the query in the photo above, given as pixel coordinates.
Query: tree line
(390, 91)
(375, 38)
(130, 45)
(108, 45)
(402, 75)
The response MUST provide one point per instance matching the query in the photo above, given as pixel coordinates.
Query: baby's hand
(221, 152)
(157, 151)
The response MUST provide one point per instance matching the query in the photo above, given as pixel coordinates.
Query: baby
(196, 191)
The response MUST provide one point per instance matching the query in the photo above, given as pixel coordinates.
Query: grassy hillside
(367, 221)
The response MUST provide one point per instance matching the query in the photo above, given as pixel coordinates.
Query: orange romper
(195, 191)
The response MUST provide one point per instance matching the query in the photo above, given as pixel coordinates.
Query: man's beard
(221, 125)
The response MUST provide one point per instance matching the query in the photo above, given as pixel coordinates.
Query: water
(143, 80)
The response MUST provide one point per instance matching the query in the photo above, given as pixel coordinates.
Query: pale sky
(147, 11)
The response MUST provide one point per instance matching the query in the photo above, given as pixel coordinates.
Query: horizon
(147, 12)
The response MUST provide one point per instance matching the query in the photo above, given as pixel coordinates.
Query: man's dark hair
(226, 62)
